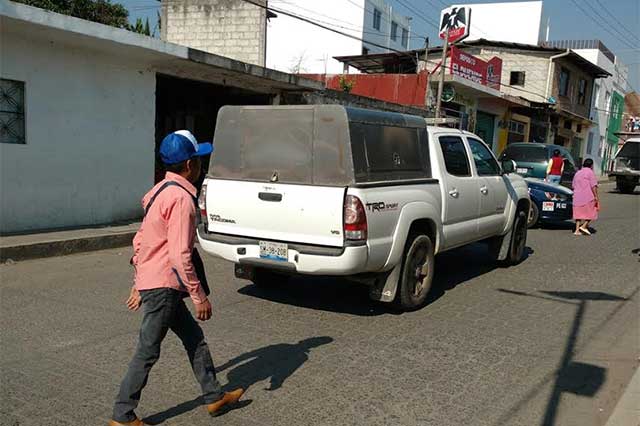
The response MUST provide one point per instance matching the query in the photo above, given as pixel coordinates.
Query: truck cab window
(455, 155)
(486, 164)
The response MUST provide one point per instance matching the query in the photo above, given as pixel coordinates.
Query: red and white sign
(487, 73)
(457, 22)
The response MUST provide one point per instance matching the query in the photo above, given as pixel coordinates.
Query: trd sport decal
(382, 207)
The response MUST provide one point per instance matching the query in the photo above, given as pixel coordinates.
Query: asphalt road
(553, 341)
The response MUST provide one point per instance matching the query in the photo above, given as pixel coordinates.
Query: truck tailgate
(279, 212)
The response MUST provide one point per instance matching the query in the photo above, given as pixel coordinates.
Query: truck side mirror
(508, 166)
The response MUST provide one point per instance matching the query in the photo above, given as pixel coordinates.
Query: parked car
(532, 159)
(549, 203)
(626, 168)
(372, 196)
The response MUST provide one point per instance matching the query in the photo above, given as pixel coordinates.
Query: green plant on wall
(346, 84)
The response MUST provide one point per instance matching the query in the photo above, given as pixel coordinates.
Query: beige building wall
(534, 64)
(232, 28)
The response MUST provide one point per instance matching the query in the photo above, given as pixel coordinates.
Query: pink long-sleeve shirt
(163, 244)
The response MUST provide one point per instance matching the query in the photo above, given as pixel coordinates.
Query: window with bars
(12, 125)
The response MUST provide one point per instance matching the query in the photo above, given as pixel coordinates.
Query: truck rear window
(630, 150)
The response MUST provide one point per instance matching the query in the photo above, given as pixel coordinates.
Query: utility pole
(443, 66)
(426, 71)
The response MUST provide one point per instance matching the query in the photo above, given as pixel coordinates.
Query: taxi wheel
(534, 215)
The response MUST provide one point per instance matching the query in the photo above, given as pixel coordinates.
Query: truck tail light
(202, 206)
(355, 219)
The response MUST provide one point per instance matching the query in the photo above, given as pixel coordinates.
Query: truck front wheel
(416, 275)
(518, 241)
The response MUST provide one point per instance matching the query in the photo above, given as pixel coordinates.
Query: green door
(484, 127)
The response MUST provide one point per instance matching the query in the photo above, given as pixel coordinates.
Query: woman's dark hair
(176, 168)
(588, 163)
(556, 152)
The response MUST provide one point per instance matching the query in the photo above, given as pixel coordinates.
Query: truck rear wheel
(518, 241)
(416, 275)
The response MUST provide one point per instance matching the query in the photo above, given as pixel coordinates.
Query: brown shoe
(225, 403)
(136, 422)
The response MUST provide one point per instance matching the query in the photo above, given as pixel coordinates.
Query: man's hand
(203, 310)
(134, 301)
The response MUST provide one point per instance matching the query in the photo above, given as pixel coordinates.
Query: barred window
(12, 125)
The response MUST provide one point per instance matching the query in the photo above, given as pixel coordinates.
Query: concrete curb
(627, 412)
(61, 244)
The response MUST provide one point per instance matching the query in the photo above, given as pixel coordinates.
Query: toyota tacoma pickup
(328, 190)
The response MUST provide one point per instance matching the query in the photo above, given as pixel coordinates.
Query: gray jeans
(165, 310)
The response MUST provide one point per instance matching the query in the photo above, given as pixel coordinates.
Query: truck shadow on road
(342, 296)
(578, 378)
(274, 362)
(449, 274)
(322, 294)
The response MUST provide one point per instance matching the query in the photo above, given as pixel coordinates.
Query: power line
(608, 24)
(624, 27)
(419, 15)
(309, 21)
(600, 24)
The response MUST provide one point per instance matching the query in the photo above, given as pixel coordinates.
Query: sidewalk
(627, 412)
(59, 243)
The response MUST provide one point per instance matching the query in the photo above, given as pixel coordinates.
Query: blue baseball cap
(180, 146)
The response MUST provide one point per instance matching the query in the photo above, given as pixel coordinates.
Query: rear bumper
(302, 259)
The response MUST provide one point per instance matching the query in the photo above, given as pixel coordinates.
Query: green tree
(102, 11)
(147, 30)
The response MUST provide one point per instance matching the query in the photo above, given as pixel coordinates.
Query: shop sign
(487, 73)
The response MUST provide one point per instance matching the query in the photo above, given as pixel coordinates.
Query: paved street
(553, 341)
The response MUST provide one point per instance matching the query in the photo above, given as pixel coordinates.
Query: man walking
(164, 275)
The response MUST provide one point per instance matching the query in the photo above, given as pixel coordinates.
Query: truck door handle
(454, 193)
(270, 196)
(484, 190)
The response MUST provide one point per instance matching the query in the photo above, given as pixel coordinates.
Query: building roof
(582, 44)
(385, 62)
(163, 57)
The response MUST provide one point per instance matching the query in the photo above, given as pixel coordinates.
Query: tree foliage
(101, 11)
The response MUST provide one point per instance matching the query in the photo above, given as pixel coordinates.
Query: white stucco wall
(517, 22)
(89, 152)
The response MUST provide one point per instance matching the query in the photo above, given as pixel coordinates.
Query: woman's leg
(578, 223)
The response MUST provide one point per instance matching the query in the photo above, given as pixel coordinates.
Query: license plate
(561, 205)
(522, 170)
(548, 206)
(274, 251)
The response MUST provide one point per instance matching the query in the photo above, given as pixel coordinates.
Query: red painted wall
(403, 89)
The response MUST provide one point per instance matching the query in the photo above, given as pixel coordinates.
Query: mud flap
(385, 287)
(504, 247)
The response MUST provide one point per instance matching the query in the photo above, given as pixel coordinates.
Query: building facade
(246, 32)
(607, 106)
(556, 83)
(82, 114)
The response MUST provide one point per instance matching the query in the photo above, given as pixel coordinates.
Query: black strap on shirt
(196, 260)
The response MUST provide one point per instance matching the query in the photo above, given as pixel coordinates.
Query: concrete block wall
(231, 28)
(534, 64)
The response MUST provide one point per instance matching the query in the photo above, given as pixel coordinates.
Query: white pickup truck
(336, 191)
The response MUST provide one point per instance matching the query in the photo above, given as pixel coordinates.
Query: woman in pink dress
(585, 198)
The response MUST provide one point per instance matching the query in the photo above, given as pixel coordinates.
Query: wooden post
(443, 68)
(426, 71)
